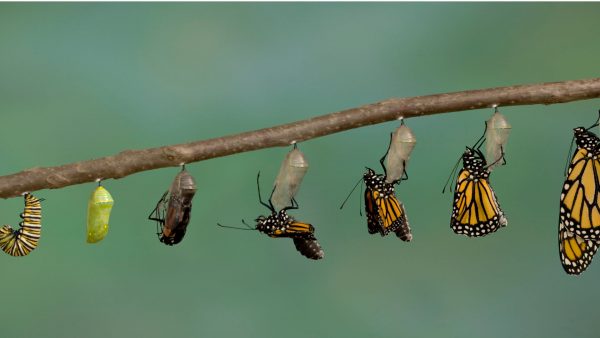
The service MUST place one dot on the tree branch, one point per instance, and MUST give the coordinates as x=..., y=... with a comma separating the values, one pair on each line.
x=132, y=161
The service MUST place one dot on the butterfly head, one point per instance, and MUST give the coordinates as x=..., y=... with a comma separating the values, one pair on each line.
x=372, y=179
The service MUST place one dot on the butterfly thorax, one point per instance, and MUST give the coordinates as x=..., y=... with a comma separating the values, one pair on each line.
x=475, y=164
x=274, y=223
x=587, y=140
x=377, y=182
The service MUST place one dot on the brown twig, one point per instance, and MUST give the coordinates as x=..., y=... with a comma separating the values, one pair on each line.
x=132, y=161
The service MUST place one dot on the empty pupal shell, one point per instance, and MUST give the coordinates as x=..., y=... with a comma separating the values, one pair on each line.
x=292, y=171
x=99, y=207
x=401, y=145
x=496, y=137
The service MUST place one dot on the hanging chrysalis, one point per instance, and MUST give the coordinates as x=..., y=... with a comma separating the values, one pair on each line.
x=402, y=143
x=292, y=171
x=173, y=211
x=99, y=206
x=496, y=135
x=22, y=241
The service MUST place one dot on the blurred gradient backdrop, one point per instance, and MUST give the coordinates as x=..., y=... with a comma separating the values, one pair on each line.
x=81, y=81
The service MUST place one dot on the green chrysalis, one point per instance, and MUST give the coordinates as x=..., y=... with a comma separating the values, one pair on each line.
x=99, y=207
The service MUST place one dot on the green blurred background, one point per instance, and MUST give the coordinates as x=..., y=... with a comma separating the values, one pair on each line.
x=81, y=81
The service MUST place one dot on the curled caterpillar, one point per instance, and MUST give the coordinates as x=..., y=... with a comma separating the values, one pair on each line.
x=22, y=241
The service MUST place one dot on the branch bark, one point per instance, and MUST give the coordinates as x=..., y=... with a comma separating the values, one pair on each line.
x=132, y=161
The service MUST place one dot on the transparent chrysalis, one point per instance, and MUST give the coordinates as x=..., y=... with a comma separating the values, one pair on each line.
x=402, y=143
x=173, y=211
x=496, y=137
x=99, y=207
x=292, y=171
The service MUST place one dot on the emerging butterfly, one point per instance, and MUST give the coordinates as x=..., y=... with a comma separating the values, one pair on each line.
x=281, y=225
x=385, y=213
x=475, y=210
x=173, y=211
x=579, y=219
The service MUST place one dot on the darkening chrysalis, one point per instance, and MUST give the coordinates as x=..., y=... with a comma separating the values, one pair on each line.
x=173, y=211
x=402, y=143
x=496, y=137
x=99, y=207
x=292, y=171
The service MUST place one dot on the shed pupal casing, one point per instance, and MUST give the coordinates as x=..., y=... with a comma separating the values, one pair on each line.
x=179, y=208
x=401, y=146
x=99, y=207
x=496, y=137
x=292, y=171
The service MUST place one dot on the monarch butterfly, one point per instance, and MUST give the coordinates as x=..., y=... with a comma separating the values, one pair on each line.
x=580, y=197
x=579, y=218
x=99, y=206
x=292, y=171
x=173, y=211
x=24, y=240
x=475, y=211
x=278, y=224
x=385, y=213
x=496, y=137
x=402, y=143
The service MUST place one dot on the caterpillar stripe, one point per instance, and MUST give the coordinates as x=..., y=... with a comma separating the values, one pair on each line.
x=24, y=240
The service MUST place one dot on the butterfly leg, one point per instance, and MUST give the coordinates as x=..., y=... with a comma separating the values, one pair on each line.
x=382, y=159
x=270, y=205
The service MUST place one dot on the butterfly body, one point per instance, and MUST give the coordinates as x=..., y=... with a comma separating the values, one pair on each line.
x=281, y=225
x=476, y=211
x=385, y=213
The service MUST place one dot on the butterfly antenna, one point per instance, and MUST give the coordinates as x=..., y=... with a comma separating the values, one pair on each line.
x=359, y=204
x=248, y=227
x=451, y=175
x=569, y=156
x=351, y=191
